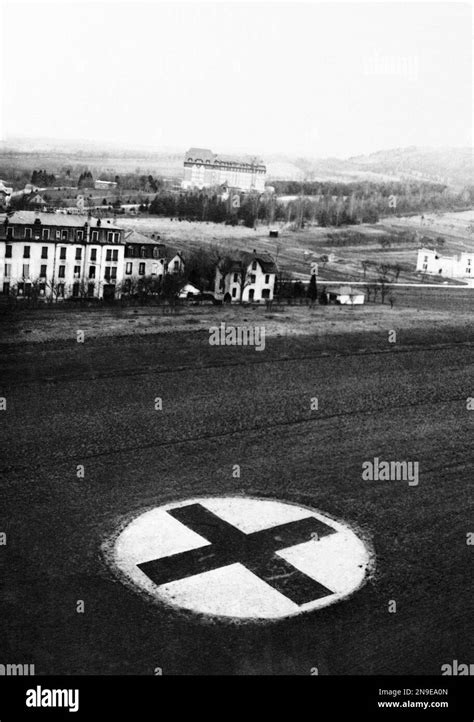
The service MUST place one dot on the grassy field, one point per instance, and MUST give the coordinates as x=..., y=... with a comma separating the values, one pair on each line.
x=414, y=308
x=92, y=404
x=294, y=250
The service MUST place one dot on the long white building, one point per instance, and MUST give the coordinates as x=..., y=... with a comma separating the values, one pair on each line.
x=203, y=168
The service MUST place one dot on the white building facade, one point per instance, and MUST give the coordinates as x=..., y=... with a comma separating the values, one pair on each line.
x=431, y=262
x=247, y=278
x=203, y=168
x=57, y=255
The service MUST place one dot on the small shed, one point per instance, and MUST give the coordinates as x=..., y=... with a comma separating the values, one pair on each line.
x=347, y=296
x=273, y=233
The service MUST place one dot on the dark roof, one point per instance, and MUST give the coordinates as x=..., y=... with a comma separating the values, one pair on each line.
x=245, y=258
x=207, y=156
x=27, y=218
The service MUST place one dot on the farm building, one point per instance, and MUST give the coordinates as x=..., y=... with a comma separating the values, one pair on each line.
x=346, y=296
x=431, y=262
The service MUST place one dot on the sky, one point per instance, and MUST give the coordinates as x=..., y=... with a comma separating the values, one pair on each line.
x=315, y=79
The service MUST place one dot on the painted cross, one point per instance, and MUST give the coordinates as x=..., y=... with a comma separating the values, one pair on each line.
x=255, y=551
x=239, y=557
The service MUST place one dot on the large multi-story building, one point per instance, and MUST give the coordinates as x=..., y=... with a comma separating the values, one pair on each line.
x=203, y=168
x=59, y=255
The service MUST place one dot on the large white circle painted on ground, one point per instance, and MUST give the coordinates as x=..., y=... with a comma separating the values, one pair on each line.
x=240, y=557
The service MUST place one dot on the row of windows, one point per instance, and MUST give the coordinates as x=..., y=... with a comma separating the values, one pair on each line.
x=24, y=289
x=142, y=252
x=63, y=234
x=252, y=277
x=110, y=271
x=265, y=294
x=111, y=254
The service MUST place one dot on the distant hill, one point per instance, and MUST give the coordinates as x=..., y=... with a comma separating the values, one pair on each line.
x=451, y=166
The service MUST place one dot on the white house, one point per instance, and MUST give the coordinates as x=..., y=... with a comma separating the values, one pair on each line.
x=431, y=262
x=246, y=277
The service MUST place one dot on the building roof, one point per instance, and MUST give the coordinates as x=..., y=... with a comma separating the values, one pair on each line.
x=245, y=258
x=207, y=156
x=136, y=237
x=28, y=218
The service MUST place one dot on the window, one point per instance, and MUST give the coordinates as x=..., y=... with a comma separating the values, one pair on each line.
x=251, y=294
x=155, y=253
x=10, y=232
x=267, y=278
x=43, y=271
x=64, y=234
x=8, y=251
x=94, y=254
x=108, y=255
x=107, y=273
x=468, y=270
x=75, y=290
x=60, y=288
x=58, y=234
x=28, y=232
x=234, y=292
x=252, y=278
x=26, y=251
x=42, y=289
x=62, y=272
x=21, y=288
x=176, y=265
x=45, y=234
x=110, y=237
x=62, y=253
x=425, y=266
x=128, y=268
x=114, y=273
x=79, y=235
x=26, y=270
x=78, y=254
x=8, y=270
x=110, y=273
x=27, y=289
x=236, y=277
x=115, y=254
x=143, y=252
x=90, y=289
x=77, y=271
x=141, y=269
x=254, y=265
x=6, y=287
x=91, y=271
x=468, y=261
x=44, y=252
x=95, y=235
x=266, y=293
x=425, y=259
